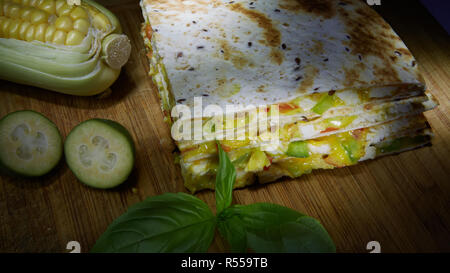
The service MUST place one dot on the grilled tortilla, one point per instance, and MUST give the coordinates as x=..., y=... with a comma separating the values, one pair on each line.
x=265, y=52
x=330, y=67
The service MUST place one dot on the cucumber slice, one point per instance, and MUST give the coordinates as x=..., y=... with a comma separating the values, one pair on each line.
x=100, y=153
x=30, y=144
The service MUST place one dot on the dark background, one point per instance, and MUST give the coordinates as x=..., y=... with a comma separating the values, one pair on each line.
x=440, y=10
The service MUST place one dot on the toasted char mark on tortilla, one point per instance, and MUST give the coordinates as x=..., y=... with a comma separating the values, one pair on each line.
x=309, y=76
x=225, y=89
x=352, y=74
x=368, y=36
x=323, y=8
x=185, y=67
x=384, y=72
x=261, y=89
x=271, y=34
x=317, y=47
x=233, y=55
x=404, y=52
x=181, y=5
x=276, y=56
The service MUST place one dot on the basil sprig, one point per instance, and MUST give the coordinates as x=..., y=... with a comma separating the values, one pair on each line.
x=264, y=227
x=172, y=222
x=226, y=175
x=183, y=223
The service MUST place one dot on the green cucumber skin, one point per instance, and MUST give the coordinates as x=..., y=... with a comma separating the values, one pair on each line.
x=4, y=169
x=114, y=126
x=7, y=171
x=14, y=174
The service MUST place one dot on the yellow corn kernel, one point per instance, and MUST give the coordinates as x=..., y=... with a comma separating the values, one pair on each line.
x=29, y=36
x=49, y=33
x=5, y=27
x=74, y=37
x=78, y=13
x=64, y=23
x=1, y=9
x=82, y=25
x=51, y=19
x=17, y=1
x=64, y=10
x=25, y=2
x=13, y=11
x=48, y=6
x=2, y=20
x=5, y=7
x=39, y=32
x=13, y=30
x=101, y=22
x=23, y=29
x=38, y=16
x=35, y=3
x=59, y=37
x=25, y=14
x=59, y=4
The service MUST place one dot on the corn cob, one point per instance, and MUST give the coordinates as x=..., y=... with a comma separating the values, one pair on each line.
x=77, y=50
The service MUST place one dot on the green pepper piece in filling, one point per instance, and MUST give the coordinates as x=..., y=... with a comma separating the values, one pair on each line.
x=401, y=143
x=298, y=149
x=351, y=147
x=325, y=103
x=242, y=160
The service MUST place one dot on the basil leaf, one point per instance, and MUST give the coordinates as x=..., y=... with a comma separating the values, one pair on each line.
x=232, y=228
x=264, y=227
x=165, y=223
x=226, y=175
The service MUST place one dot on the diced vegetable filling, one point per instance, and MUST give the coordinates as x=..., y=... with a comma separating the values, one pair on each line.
x=326, y=102
x=402, y=143
x=311, y=124
x=351, y=147
x=159, y=75
x=298, y=149
x=328, y=152
x=338, y=150
x=257, y=162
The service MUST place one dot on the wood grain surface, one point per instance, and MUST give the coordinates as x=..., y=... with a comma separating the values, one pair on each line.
x=401, y=201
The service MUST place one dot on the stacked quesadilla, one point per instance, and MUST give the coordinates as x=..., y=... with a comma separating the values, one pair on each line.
x=335, y=79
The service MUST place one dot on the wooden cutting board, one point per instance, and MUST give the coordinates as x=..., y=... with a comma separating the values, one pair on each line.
x=401, y=201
